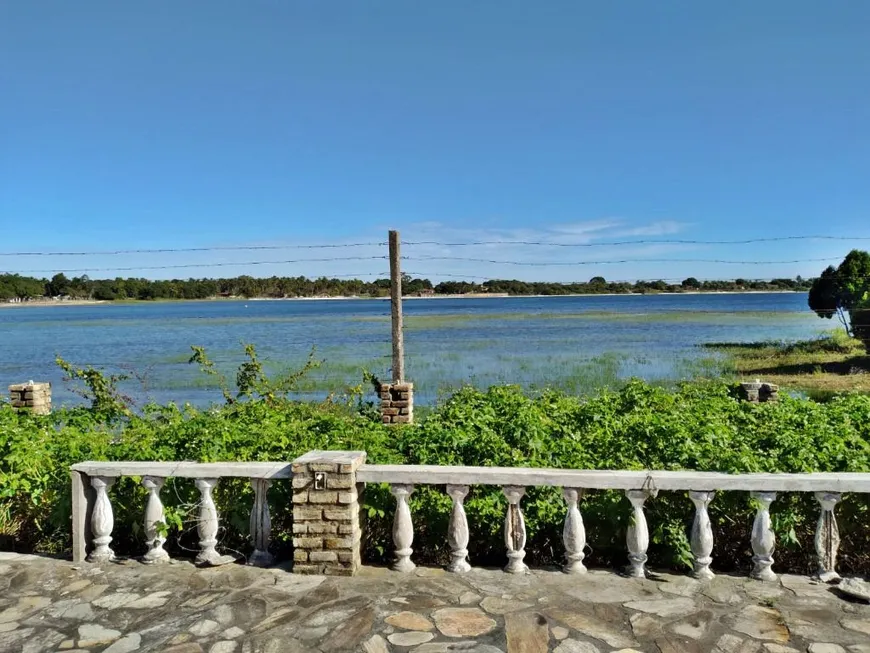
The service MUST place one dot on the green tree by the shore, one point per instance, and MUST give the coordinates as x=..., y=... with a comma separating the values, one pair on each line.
x=844, y=291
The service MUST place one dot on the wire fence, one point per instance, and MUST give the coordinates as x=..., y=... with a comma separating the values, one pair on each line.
x=473, y=243
x=414, y=257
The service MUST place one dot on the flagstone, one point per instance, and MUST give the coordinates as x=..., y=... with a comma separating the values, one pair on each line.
x=462, y=622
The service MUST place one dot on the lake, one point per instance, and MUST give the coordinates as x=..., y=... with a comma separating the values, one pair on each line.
x=574, y=343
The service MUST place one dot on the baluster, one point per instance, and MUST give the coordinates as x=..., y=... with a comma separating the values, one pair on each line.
x=763, y=539
x=457, y=530
x=403, y=528
x=702, y=535
x=261, y=524
x=207, y=527
x=515, y=530
x=102, y=520
x=573, y=533
x=154, y=515
x=827, y=536
x=637, y=535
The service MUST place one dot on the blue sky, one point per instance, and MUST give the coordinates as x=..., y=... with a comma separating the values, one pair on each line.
x=213, y=123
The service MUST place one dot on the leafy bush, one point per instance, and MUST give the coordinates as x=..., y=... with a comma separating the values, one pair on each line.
x=698, y=427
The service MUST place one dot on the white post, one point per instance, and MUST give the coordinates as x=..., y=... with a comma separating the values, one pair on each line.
x=261, y=524
x=827, y=536
x=403, y=528
x=515, y=530
x=573, y=533
x=702, y=535
x=457, y=530
x=153, y=516
x=102, y=520
x=763, y=539
x=637, y=535
x=207, y=527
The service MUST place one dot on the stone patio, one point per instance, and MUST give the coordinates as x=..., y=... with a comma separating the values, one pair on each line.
x=55, y=605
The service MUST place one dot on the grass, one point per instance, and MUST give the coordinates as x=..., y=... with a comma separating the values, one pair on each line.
x=829, y=364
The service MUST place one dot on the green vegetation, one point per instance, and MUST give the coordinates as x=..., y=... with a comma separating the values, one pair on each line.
x=845, y=291
x=14, y=286
x=598, y=285
x=699, y=426
x=829, y=364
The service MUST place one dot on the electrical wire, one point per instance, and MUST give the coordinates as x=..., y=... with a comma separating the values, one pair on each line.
x=611, y=262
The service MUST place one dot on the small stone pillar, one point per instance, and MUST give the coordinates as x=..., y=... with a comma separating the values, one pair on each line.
x=33, y=396
x=326, y=513
x=759, y=392
x=397, y=403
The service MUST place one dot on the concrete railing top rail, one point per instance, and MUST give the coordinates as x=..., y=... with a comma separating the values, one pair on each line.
x=185, y=469
x=460, y=475
x=614, y=479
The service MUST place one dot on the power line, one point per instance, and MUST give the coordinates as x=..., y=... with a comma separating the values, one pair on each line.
x=214, y=265
x=613, y=243
x=445, y=274
x=607, y=281
x=612, y=262
x=530, y=243
x=167, y=250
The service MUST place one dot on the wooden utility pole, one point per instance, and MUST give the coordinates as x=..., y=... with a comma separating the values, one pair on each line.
x=397, y=398
x=396, y=309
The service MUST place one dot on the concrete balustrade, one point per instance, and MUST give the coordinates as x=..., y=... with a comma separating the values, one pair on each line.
x=93, y=518
x=328, y=486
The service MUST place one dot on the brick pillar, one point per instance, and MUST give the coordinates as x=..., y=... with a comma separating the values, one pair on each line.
x=397, y=403
x=34, y=396
x=759, y=392
x=326, y=513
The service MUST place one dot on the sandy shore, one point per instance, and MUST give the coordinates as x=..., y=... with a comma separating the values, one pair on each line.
x=123, y=302
x=41, y=304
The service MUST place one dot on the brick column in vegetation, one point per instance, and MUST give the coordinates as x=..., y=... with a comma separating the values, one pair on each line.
x=35, y=397
x=759, y=392
x=397, y=403
x=326, y=513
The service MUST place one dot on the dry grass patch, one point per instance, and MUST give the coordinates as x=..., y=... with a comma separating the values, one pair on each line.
x=832, y=363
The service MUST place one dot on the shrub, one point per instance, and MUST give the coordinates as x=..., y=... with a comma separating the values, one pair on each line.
x=698, y=427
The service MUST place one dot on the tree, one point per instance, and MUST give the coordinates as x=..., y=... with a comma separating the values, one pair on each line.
x=691, y=282
x=59, y=285
x=845, y=291
x=80, y=287
x=14, y=286
x=597, y=281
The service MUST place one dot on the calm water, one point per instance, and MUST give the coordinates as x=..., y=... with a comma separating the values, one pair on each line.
x=576, y=343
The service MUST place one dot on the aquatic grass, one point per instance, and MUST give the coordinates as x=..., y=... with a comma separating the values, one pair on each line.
x=198, y=382
x=540, y=348
x=463, y=320
x=248, y=318
x=173, y=359
x=708, y=367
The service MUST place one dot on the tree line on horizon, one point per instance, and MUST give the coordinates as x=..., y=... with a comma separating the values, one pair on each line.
x=17, y=287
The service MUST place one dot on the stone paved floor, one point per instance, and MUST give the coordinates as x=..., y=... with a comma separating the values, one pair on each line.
x=52, y=605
